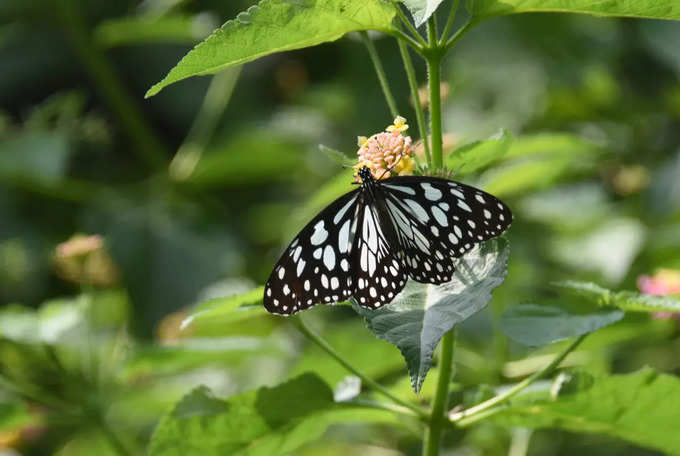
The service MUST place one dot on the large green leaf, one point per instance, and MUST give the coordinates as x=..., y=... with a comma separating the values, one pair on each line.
x=532, y=324
x=657, y=9
x=276, y=26
x=421, y=10
x=419, y=316
x=628, y=301
x=641, y=407
x=479, y=154
x=267, y=421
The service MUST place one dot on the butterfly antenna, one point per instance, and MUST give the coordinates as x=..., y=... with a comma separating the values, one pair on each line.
x=401, y=154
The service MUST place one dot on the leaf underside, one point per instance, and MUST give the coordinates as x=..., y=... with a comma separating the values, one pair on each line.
x=421, y=314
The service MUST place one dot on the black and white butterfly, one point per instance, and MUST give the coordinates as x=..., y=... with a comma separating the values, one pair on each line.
x=370, y=241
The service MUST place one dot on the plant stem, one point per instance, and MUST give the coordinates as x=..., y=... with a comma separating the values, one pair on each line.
x=380, y=71
x=449, y=23
x=409, y=26
x=382, y=406
x=465, y=417
x=417, y=107
x=433, y=57
x=401, y=36
x=318, y=340
x=437, y=417
x=149, y=147
x=458, y=35
x=434, y=81
x=214, y=103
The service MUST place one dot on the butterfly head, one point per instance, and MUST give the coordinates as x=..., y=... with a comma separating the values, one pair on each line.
x=365, y=174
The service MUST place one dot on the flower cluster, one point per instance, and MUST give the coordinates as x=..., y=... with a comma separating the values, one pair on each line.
x=388, y=153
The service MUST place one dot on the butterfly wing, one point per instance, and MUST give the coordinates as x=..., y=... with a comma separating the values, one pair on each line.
x=379, y=276
x=438, y=220
x=316, y=266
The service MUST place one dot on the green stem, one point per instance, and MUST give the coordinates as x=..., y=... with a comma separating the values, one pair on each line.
x=318, y=340
x=401, y=36
x=449, y=23
x=434, y=81
x=417, y=106
x=380, y=71
x=215, y=102
x=382, y=406
x=486, y=408
x=409, y=26
x=437, y=417
x=458, y=35
x=104, y=75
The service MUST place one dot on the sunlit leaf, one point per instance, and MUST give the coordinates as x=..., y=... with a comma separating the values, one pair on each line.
x=421, y=314
x=479, y=154
x=336, y=156
x=532, y=324
x=628, y=301
x=276, y=26
x=227, y=310
x=267, y=421
x=641, y=407
x=421, y=10
x=657, y=9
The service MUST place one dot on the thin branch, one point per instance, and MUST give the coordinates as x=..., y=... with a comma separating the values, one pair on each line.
x=380, y=71
x=382, y=406
x=318, y=340
x=418, y=108
x=449, y=23
x=458, y=35
x=401, y=36
x=487, y=407
x=409, y=26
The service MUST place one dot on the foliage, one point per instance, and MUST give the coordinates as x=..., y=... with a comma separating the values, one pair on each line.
x=136, y=233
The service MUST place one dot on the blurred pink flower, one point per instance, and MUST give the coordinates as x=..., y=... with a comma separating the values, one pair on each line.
x=663, y=282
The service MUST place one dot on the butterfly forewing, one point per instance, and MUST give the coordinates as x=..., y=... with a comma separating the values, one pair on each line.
x=316, y=266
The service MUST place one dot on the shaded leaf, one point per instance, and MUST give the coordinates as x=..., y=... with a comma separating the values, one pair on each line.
x=275, y=26
x=337, y=156
x=628, y=301
x=479, y=154
x=532, y=324
x=421, y=10
x=143, y=30
x=421, y=314
x=656, y=9
x=227, y=310
x=641, y=407
x=267, y=421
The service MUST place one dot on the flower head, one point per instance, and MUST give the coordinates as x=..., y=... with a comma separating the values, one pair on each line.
x=386, y=154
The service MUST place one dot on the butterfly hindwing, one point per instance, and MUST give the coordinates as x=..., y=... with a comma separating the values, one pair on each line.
x=316, y=266
x=377, y=269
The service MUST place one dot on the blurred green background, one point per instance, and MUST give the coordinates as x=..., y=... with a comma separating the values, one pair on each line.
x=181, y=198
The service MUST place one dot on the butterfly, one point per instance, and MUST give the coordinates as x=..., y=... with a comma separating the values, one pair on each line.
x=370, y=241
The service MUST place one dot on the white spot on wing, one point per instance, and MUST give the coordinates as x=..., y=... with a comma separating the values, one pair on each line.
x=329, y=257
x=320, y=234
x=401, y=188
x=431, y=193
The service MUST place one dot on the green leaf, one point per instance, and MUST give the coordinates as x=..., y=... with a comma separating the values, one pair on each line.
x=628, y=301
x=336, y=156
x=537, y=161
x=641, y=407
x=222, y=311
x=267, y=421
x=479, y=154
x=656, y=9
x=276, y=26
x=14, y=415
x=419, y=316
x=133, y=30
x=532, y=324
x=421, y=10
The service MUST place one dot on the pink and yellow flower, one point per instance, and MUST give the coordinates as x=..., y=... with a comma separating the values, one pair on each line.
x=388, y=153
